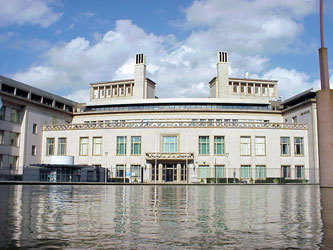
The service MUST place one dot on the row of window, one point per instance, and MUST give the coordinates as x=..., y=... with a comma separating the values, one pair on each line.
x=14, y=115
x=170, y=145
x=176, y=107
x=12, y=162
x=34, y=97
x=50, y=146
x=251, y=88
x=113, y=90
x=245, y=172
x=13, y=138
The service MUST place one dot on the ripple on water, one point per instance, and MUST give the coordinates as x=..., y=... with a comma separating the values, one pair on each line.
x=164, y=217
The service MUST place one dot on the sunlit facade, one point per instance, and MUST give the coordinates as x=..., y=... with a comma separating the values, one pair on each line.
x=240, y=133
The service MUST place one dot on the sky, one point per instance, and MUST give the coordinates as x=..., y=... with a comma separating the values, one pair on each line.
x=63, y=45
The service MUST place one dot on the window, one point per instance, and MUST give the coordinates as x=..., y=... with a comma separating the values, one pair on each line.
x=285, y=171
x=49, y=146
x=121, y=145
x=34, y=128
x=33, y=150
x=203, y=171
x=136, y=145
x=1, y=137
x=115, y=91
x=256, y=90
x=2, y=113
x=122, y=91
x=12, y=161
x=84, y=145
x=299, y=146
x=203, y=145
x=245, y=172
x=245, y=142
x=13, y=139
x=218, y=145
x=135, y=170
x=169, y=144
x=260, y=144
x=15, y=116
x=97, y=145
x=285, y=148
x=263, y=89
x=219, y=171
x=62, y=146
x=120, y=171
x=249, y=90
x=260, y=172
x=300, y=172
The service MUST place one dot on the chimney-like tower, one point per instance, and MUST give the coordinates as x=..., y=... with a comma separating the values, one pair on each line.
x=222, y=79
x=139, y=91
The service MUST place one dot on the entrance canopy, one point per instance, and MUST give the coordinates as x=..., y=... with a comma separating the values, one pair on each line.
x=169, y=156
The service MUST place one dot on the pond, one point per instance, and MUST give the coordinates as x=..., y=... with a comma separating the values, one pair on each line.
x=161, y=217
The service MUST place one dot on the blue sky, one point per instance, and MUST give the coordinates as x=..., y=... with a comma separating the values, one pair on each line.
x=63, y=45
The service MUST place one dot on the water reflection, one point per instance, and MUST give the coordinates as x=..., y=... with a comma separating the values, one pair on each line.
x=164, y=217
x=327, y=217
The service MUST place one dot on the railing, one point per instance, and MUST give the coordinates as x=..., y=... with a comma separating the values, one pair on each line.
x=174, y=124
x=224, y=174
x=169, y=156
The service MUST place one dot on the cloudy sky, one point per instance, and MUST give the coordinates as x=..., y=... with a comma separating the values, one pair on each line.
x=63, y=45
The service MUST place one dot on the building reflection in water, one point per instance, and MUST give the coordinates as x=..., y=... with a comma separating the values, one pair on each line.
x=85, y=216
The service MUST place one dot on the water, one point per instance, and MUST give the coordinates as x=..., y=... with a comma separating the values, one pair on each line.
x=160, y=217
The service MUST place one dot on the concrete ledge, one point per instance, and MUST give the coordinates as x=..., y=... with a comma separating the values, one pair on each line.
x=145, y=184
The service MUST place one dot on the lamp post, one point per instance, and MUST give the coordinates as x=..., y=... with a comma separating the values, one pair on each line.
x=106, y=166
x=234, y=175
x=215, y=168
x=227, y=155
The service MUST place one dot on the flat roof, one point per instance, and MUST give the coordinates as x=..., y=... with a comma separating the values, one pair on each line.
x=119, y=81
x=101, y=102
x=305, y=95
x=242, y=79
x=28, y=88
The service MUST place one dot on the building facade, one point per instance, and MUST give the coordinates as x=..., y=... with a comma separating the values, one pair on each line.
x=240, y=133
x=23, y=113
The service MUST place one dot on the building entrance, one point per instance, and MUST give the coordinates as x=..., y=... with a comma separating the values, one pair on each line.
x=169, y=172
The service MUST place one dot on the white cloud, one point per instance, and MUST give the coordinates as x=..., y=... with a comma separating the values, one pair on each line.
x=257, y=26
x=291, y=81
x=250, y=30
x=28, y=11
x=81, y=95
x=6, y=37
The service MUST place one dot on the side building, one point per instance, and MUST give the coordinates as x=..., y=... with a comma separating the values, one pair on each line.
x=241, y=133
x=23, y=113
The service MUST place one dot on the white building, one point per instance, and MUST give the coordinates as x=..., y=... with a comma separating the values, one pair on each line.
x=240, y=133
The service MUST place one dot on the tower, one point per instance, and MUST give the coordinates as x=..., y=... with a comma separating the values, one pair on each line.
x=140, y=77
x=222, y=75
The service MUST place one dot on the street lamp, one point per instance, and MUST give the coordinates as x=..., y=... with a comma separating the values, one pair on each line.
x=234, y=175
x=227, y=155
x=215, y=168
x=106, y=167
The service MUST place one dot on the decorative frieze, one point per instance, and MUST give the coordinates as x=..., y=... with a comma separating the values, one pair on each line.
x=174, y=124
x=169, y=156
